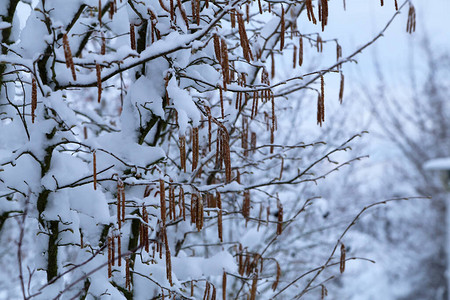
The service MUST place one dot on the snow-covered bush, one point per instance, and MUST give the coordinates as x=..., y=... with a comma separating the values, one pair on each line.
x=140, y=156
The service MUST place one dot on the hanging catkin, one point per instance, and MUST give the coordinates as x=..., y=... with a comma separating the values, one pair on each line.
x=109, y=257
x=277, y=278
x=168, y=257
x=294, y=57
x=119, y=202
x=162, y=200
x=283, y=29
x=300, y=51
x=68, y=56
x=195, y=150
x=217, y=48
x=182, y=203
x=33, y=98
x=225, y=64
x=119, y=250
x=411, y=23
x=183, y=153
x=280, y=218
x=341, y=89
x=219, y=216
x=324, y=12
x=99, y=82
x=132, y=37
x=244, y=39
x=342, y=259
x=94, y=166
x=310, y=12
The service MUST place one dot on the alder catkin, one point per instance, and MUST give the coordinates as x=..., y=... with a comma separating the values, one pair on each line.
x=33, y=98
x=411, y=23
x=294, y=57
x=119, y=202
x=225, y=64
x=99, y=82
x=224, y=286
x=254, y=285
x=132, y=37
x=68, y=56
x=280, y=218
x=277, y=278
x=283, y=29
x=216, y=41
x=183, y=152
x=162, y=198
x=94, y=166
x=195, y=150
x=310, y=11
x=341, y=89
x=219, y=216
x=119, y=250
x=342, y=259
x=300, y=51
x=109, y=257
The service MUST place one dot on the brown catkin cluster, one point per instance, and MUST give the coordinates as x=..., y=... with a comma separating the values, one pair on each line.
x=323, y=12
x=277, y=278
x=319, y=44
x=411, y=23
x=112, y=9
x=68, y=56
x=183, y=13
x=223, y=151
x=396, y=5
x=143, y=230
x=342, y=259
x=245, y=44
x=197, y=211
x=324, y=292
x=33, y=98
x=310, y=11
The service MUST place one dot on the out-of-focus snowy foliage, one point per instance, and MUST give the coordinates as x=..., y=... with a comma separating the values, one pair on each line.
x=151, y=149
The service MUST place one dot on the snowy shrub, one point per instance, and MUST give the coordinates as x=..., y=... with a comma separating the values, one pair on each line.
x=149, y=149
